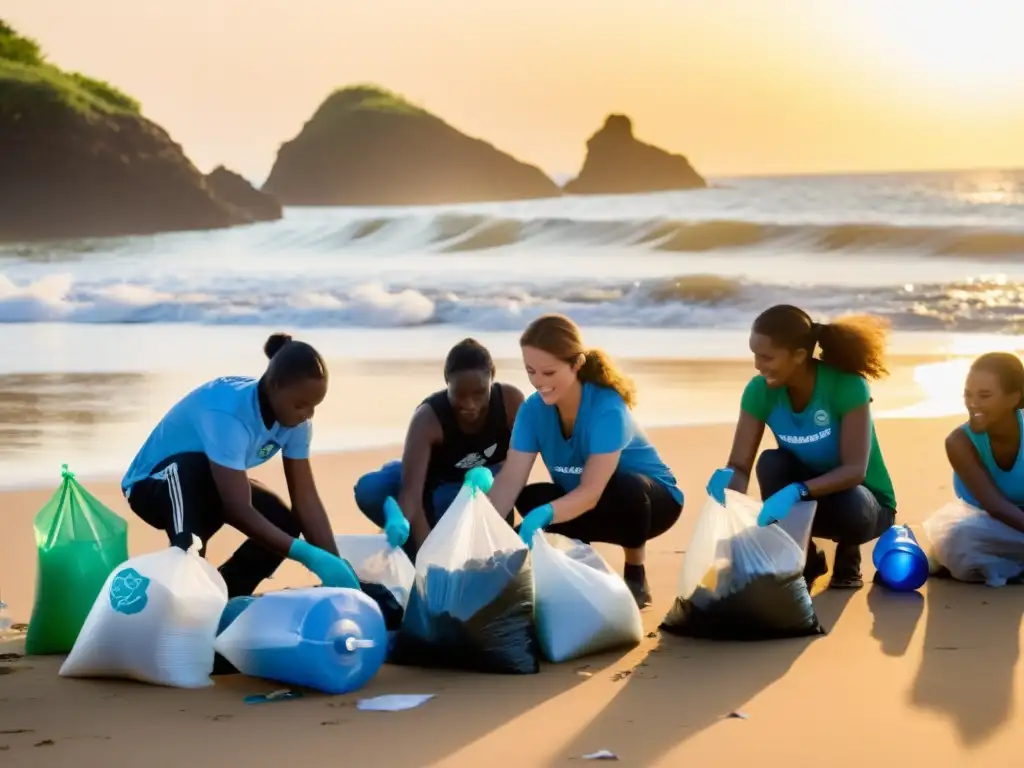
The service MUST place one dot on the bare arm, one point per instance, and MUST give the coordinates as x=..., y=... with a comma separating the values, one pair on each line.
x=584, y=497
x=236, y=496
x=423, y=434
x=745, y=442
x=964, y=459
x=511, y=480
x=307, y=506
x=854, y=451
x=513, y=399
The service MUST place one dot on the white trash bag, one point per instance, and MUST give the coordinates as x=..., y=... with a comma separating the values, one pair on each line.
x=581, y=605
x=472, y=600
x=154, y=621
x=973, y=545
x=741, y=581
x=377, y=562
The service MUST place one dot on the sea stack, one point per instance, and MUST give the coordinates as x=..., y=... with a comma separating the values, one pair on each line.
x=367, y=146
x=618, y=163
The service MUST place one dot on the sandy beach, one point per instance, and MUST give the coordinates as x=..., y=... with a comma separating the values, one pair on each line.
x=926, y=677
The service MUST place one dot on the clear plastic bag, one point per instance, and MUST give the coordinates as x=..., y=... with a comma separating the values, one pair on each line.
x=155, y=621
x=973, y=545
x=581, y=605
x=472, y=601
x=740, y=581
x=377, y=562
x=79, y=542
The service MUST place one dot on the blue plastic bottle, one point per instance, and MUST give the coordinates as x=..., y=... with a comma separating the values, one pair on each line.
x=330, y=639
x=899, y=559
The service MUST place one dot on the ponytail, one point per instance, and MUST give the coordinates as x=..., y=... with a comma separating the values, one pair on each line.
x=855, y=344
x=600, y=369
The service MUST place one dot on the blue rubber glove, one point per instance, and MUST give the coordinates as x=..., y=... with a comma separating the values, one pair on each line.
x=778, y=505
x=537, y=520
x=718, y=483
x=396, y=526
x=479, y=478
x=330, y=569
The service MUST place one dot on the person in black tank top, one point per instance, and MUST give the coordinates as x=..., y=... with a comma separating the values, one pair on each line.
x=468, y=424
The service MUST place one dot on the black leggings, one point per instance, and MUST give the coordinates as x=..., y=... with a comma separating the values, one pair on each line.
x=632, y=510
x=181, y=498
x=849, y=518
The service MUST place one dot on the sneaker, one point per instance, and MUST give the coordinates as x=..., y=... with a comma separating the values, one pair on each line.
x=641, y=592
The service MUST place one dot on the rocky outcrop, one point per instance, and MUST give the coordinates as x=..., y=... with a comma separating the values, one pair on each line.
x=79, y=159
x=235, y=190
x=366, y=146
x=618, y=163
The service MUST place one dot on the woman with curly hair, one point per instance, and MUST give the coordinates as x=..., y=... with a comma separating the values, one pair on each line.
x=819, y=410
x=609, y=484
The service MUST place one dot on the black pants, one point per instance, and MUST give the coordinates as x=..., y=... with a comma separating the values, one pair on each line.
x=849, y=518
x=181, y=498
x=632, y=510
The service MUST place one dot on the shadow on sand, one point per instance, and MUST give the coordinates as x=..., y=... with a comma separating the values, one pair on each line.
x=971, y=646
x=895, y=616
x=706, y=681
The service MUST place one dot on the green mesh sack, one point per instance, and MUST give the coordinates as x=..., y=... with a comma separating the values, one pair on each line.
x=79, y=541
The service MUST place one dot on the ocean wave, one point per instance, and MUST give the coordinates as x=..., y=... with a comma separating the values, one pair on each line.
x=462, y=232
x=692, y=301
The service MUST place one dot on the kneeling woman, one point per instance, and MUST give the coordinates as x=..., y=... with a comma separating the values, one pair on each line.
x=468, y=424
x=987, y=453
x=609, y=485
x=820, y=413
x=190, y=477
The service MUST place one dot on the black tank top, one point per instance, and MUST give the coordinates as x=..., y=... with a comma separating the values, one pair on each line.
x=459, y=452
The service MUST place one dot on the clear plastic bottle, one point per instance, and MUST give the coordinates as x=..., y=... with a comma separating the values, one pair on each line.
x=5, y=616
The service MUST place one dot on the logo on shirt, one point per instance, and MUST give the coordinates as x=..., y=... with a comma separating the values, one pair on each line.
x=268, y=450
x=821, y=418
x=805, y=439
x=568, y=470
x=474, y=459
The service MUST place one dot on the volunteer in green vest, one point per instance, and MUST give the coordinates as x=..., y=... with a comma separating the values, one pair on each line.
x=819, y=410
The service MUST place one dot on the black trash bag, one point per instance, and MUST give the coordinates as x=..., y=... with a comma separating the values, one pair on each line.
x=742, y=582
x=479, y=618
x=471, y=606
x=387, y=602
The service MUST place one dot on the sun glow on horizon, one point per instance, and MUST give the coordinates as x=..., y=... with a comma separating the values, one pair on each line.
x=970, y=49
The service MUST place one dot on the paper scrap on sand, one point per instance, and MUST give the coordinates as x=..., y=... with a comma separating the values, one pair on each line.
x=601, y=754
x=395, y=702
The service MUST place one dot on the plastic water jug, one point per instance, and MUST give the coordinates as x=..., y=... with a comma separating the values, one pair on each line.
x=327, y=638
x=899, y=559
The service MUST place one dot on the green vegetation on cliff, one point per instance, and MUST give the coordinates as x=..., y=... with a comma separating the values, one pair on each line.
x=29, y=84
x=81, y=160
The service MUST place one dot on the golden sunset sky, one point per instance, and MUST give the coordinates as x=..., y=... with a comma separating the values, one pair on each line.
x=739, y=86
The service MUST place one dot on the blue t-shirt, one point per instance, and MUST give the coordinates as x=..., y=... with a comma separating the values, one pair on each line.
x=1010, y=483
x=603, y=425
x=222, y=419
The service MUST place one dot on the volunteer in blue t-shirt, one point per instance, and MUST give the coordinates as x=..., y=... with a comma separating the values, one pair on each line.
x=609, y=484
x=190, y=477
x=819, y=410
x=987, y=453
